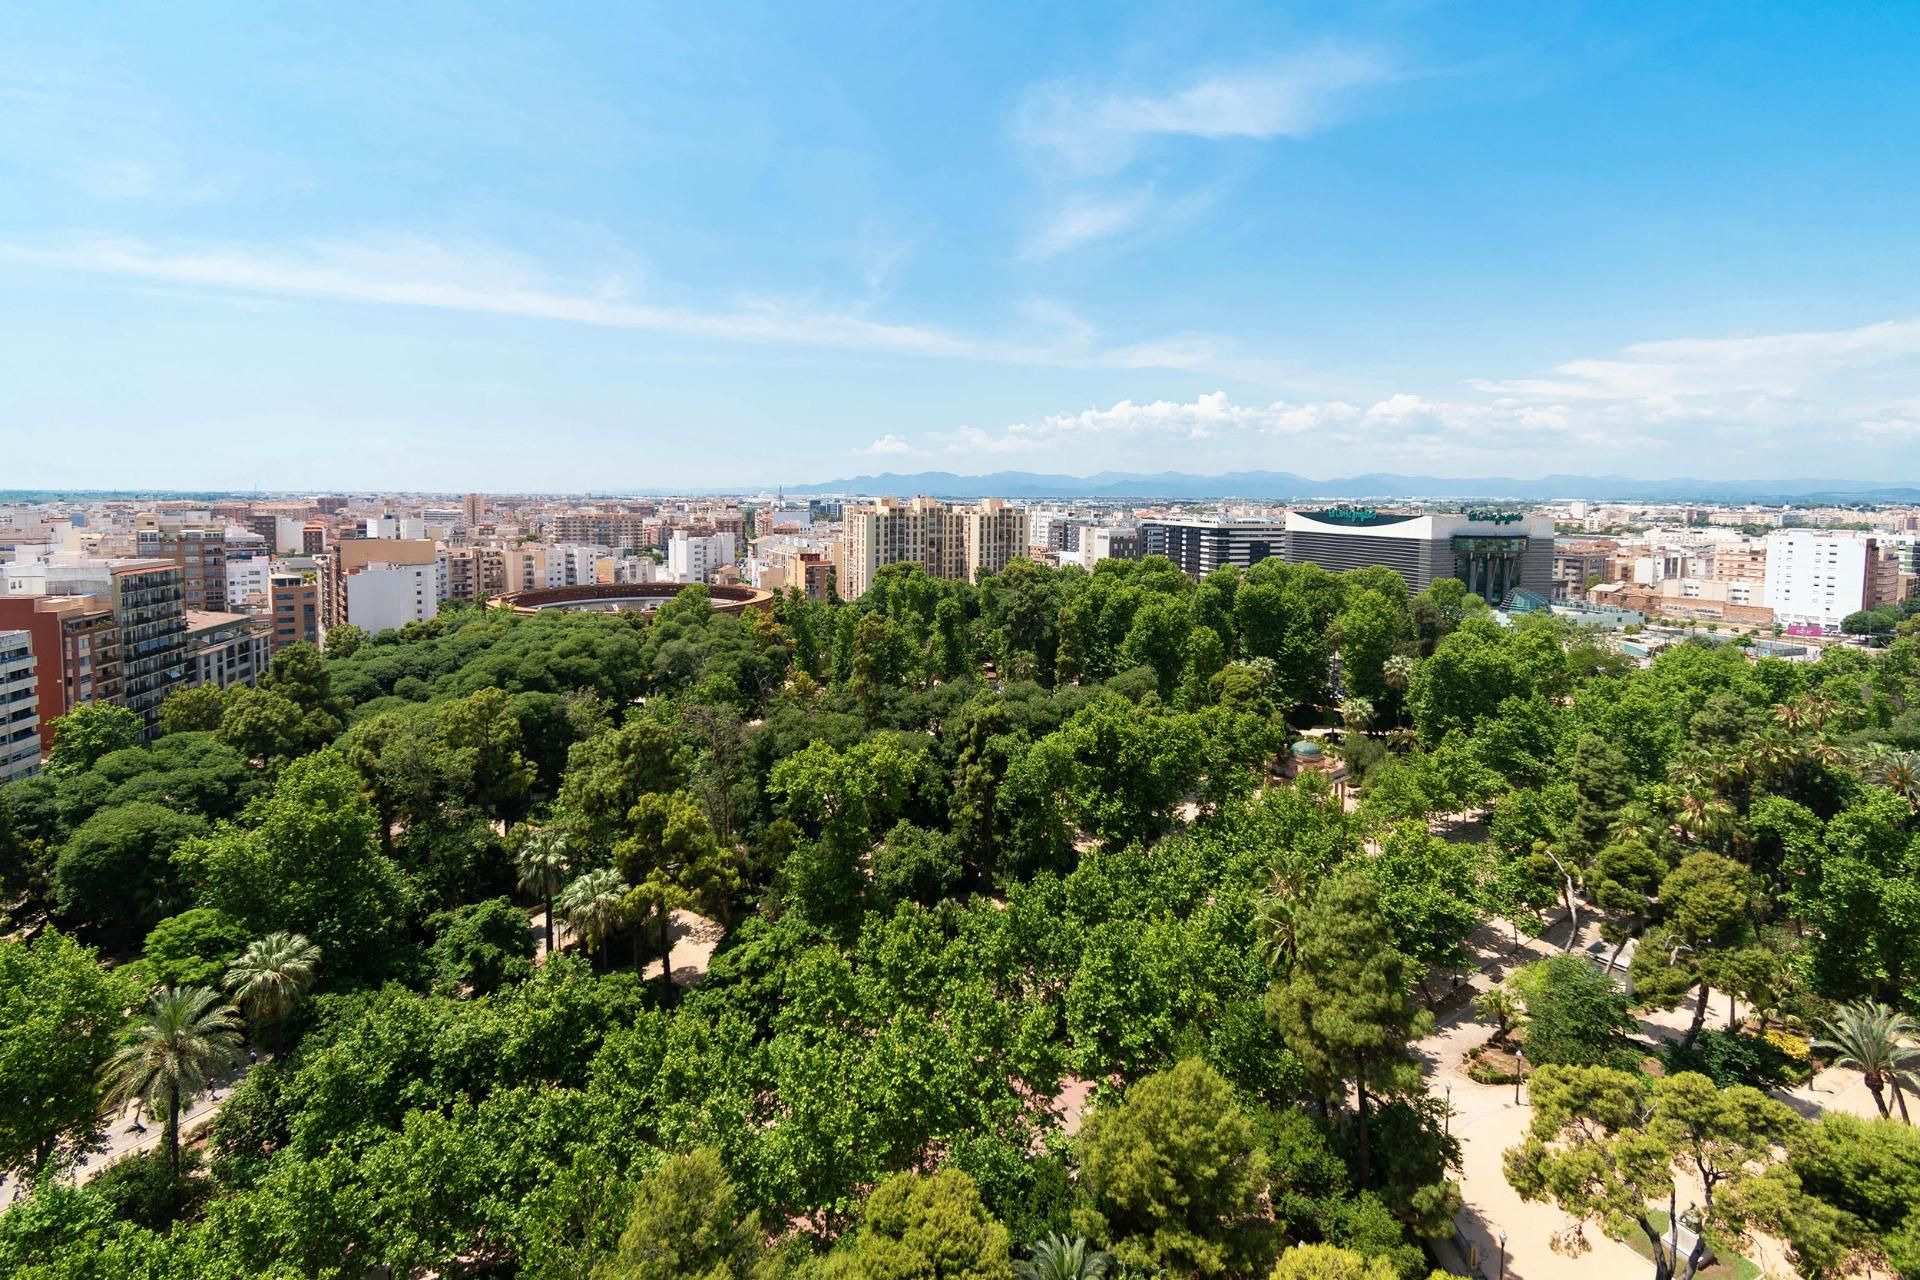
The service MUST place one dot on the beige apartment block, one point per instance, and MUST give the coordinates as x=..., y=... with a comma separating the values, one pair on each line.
x=947, y=541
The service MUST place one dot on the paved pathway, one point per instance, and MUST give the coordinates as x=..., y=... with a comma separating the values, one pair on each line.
x=127, y=1136
x=695, y=937
x=1486, y=1121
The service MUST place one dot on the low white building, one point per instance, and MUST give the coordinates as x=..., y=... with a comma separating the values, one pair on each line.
x=582, y=564
x=19, y=706
x=382, y=597
x=691, y=559
x=638, y=568
x=248, y=581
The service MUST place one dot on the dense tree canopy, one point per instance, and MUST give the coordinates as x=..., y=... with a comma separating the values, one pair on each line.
x=978, y=858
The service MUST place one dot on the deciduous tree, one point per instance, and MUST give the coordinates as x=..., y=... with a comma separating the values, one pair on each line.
x=1173, y=1173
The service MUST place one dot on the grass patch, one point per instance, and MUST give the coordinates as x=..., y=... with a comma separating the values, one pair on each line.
x=1730, y=1265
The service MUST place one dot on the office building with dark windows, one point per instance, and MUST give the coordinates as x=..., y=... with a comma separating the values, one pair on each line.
x=1201, y=546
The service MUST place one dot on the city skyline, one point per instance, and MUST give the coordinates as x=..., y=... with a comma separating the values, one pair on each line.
x=685, y=251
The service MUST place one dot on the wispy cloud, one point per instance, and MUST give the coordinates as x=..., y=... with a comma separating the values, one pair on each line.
x=1096, y=130
x=478, y=278
x=413, y=272
x=1781, y=364
x=1084, y=218
x=105, y=136
x=1082, y=136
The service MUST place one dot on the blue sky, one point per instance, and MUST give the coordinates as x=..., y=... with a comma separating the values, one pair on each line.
x=613, y=247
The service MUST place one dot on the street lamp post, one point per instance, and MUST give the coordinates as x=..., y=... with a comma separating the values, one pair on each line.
x=1449, y=1115
x=1518, y=1072
x=1503, y=1257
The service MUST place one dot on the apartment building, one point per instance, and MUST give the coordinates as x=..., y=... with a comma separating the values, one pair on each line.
x=76, y=644
x=530, y=566
x=1743, y=561
x=196, y=542
x=947, y=541
x=294, y=605
x=620, y=530
x=476, y=573
x=249, y=580
x=779, y=519
x=473, y=509
x=146, y=601
x=1577, y=561
x=1110, y=544
x=149, y=603
x=696, y=558
x=635, y=568
x=19, y=707
x=994, y=532
x=227, y=649
x=1055, y=530
x=783, y=562
x=409, y=567
x=1815, y=578
x=582, y=565
x=385, y=597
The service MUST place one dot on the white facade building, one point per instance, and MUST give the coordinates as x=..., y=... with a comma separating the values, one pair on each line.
x=19, y=707
x=247, y=583
x=382, y=597
x=1815, y=578
x=692, y=559
x=582, y=564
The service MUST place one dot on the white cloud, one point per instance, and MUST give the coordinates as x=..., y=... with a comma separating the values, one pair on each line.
x=886, y=444
x=1755, y=394
x=1084, y=218
x=477, y=278
x=1411, y=426
x=1776, y=365
x=1096, y=131
x=422, y=273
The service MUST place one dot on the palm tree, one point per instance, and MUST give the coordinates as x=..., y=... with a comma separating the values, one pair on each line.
x=1356, y=713
x=542, y=864
x=1501, y=1006
x=270, y=976
x=1397, y=671
x=1055, y=1257
x=1289, y=879
x=1899, y=772
x=1871, y=1038
x=1637, y=820
x=594, y=906
x=186, y=1041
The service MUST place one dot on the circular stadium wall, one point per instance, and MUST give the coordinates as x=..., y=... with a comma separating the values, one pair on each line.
x=631, y=597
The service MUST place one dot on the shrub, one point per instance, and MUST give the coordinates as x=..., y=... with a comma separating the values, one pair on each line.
x=1575, y=1015
x=1730, y=1059
x=1493, y=1067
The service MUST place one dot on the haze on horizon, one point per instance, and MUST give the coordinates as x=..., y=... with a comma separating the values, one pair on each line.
x=664, y=247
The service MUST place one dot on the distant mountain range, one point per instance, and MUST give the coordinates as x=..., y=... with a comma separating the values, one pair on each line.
x=1280, y=485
